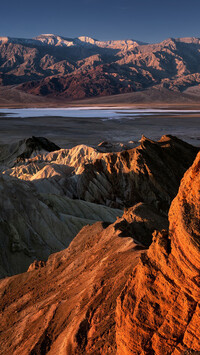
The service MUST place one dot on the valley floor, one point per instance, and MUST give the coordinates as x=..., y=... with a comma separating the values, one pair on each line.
x=71, y=131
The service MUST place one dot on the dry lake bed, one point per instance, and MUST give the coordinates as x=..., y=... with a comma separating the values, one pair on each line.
x=68, y=127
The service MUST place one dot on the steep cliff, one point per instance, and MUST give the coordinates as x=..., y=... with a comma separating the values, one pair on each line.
x=158, y=311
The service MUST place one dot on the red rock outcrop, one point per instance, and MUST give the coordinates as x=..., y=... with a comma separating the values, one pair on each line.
x=158, y=311
x=68, y=305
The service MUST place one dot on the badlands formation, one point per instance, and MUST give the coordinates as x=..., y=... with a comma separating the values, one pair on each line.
x=123, y=274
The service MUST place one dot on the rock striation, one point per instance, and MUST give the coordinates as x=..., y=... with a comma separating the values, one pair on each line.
x=149, y=173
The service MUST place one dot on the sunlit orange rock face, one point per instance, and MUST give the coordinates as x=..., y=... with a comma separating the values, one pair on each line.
x=158, y=311
x=68, y=305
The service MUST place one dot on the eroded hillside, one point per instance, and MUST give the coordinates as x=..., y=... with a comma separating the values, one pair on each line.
x=48, y=194
x=106, y=293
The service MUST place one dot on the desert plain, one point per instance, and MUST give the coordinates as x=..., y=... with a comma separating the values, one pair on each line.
x=70, y=131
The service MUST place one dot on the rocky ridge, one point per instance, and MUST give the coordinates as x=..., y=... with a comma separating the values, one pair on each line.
x=148, y=173
x=158, y=311
x=11, y=154
x=107, y=294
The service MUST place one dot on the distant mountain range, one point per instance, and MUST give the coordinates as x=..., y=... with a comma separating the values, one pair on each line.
x=76, y=68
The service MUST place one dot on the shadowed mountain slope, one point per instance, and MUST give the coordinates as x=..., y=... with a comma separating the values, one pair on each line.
x=33, y=226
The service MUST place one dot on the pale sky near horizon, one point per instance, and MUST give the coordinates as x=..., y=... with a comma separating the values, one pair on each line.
x=145, y=20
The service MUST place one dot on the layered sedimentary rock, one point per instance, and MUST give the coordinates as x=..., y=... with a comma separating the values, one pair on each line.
x=149, y=173
x=158, y=311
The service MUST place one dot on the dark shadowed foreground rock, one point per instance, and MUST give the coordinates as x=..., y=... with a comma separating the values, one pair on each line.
x=33, y=225
x=106, y=295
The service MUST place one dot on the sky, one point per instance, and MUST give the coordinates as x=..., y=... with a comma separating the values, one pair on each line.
x=145, y=20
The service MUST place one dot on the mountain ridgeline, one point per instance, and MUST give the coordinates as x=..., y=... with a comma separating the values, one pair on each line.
x=76, y=68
